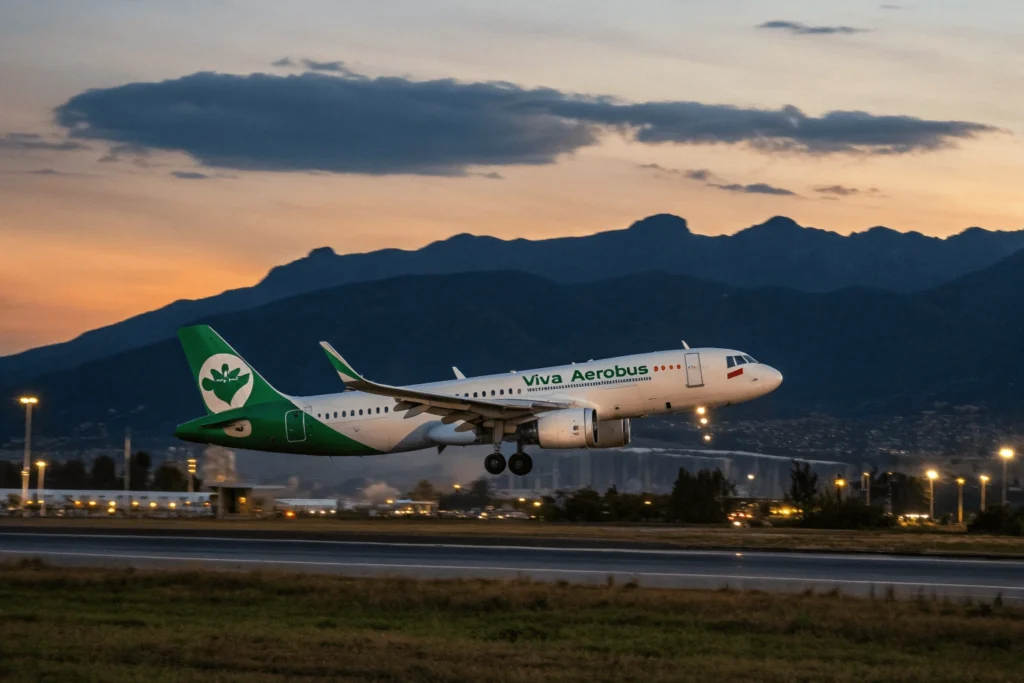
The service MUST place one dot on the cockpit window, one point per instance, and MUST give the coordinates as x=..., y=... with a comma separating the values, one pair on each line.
x=749, y=359
x=741, y=360
x=730, y=361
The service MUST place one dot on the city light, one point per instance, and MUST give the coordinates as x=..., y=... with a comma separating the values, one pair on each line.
x=984, y=478
x=29, y=400
x=960, y=480
x=536, y=503
x=707, y=437
x=390, y=501
x=457, y=486
x=647, y=502
x=40, y=463
x=1006, y=453
x=750, y=477
x=522, y=500
x=840, y=482
x=932, y=474
x=703, y=420
x=701, y=410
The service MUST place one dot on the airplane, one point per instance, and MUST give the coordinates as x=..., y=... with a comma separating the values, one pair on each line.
x=580, y=405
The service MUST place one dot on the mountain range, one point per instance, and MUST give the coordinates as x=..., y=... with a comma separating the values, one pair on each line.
x=777, y=253
x=853, y=351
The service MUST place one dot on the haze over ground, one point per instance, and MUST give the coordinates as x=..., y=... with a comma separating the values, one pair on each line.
x=152, y=152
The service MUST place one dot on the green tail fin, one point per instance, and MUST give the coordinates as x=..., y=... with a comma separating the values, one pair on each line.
x=224, y=379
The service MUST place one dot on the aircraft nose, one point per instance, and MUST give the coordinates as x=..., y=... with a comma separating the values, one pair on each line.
x=772, y=378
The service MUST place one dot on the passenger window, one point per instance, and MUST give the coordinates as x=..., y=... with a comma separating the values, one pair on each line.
x=519, y=391
x=492, y=392
x=335, y=414
x=360, y=411
x=378, y=410
x=502, y=392
x=474, y=394
x=344, y=413
x=730, y=361
x=385, y=409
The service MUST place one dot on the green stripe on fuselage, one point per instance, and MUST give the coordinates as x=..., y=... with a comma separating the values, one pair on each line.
x=268, y=430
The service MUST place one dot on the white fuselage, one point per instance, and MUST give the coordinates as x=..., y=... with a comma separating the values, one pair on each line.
x=624, y=387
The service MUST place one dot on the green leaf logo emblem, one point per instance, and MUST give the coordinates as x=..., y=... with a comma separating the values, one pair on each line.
x=225, y=383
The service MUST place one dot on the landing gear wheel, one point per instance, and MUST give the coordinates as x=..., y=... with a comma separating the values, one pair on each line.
x=520, y=464
x=495, y=463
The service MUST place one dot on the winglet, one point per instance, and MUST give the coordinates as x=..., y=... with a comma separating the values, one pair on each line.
x=458, y=373
x=344, y=370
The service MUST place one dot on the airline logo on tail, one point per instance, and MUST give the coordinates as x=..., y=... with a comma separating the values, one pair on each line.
x=225, y=382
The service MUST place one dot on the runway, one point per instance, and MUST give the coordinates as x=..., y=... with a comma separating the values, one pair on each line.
x=852, y=574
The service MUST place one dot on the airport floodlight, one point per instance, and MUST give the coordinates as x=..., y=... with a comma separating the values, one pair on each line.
x=29, y=400
x=522, y=500
x=389, y=501
x=1006, y=453
x=984, y=478
x=960, y=480
x=750, y=477
x=840, y=482
x=932, y=474
x=456, y=486
x=40, y=463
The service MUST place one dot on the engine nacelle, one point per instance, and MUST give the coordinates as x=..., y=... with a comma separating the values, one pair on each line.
x=569, y=428
x=612, y=434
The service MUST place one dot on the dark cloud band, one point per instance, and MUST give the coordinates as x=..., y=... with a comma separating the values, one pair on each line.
x=353, y=124
x=797, y=28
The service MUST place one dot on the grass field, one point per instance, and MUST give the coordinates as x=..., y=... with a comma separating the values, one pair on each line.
x=63, y=624
x=945, y=540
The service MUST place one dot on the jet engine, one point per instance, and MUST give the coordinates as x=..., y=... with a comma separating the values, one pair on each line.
x=612, y=434
x=569, y=428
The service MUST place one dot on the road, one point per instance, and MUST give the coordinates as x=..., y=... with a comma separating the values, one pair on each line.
x=852, y=574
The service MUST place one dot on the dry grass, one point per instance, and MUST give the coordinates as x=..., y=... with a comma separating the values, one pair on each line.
x=946, y=540
x=59, y=624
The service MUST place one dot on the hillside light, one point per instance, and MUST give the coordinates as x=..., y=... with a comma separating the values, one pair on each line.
x=457, y=486
x=647, y=502
x=750, y=477
x=701, y=410
x=984, y=485
x=703, y=420
x=1006, y=454
x=390, y=501
x=932, y=476
x=41, y=464
x=26, y=467
x=960, y=500
x=707, y=438
x=522, y=500
x=536, y=503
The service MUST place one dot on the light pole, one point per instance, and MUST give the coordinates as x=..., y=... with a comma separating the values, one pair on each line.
x=932, y=476
x=984, y=485
x=867, y=489
x=40, y=486
x=26, y=465
x=840, y=484
x=960, y=500
x=191, y=474
x=1006, y=454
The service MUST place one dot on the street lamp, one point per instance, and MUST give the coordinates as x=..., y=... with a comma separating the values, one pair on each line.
x=867, y=488
x=960, y=500
x=39, y=487
x=26, y=466
x=1006, y=454
x=191, y=462
x=932, y=476
x=984, y=485
x=840, y=485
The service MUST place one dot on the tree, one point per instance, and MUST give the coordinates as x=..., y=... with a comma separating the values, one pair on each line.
x=478, y=495
x=169, y=477
x=700, y=498
x=424, y=490
x=70, y=474
x=104, y=474
x=139, y=465
x=803, y=486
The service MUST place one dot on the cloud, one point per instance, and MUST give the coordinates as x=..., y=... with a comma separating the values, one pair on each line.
x=189, y=175
x=491, y=175
x=28, y=142
x=283, y=62
x=797, y=28
x=336, y=67
x=386, y=125
x=842, y=191
x=755, y=188
x=712, y=180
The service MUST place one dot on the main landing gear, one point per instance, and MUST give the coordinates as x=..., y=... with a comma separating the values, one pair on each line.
x=519, y=463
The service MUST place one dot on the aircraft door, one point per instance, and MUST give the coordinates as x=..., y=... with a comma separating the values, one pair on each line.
x=694, y=374
x=295, y=426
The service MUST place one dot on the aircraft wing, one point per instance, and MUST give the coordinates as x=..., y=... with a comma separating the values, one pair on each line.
x=450, y=408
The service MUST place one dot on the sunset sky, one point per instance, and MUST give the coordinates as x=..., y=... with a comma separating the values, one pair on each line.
x=152, y=151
